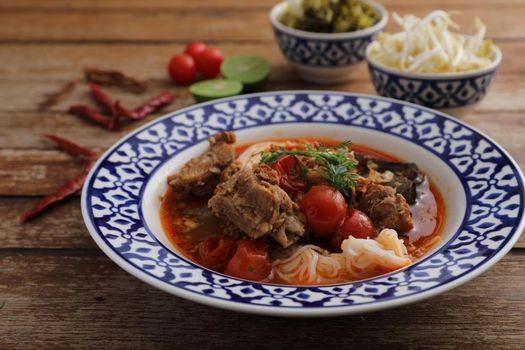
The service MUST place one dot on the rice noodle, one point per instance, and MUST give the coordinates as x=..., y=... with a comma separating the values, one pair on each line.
x=360, y=258
x=309, y=264
x=426, y=45
x=367, y=257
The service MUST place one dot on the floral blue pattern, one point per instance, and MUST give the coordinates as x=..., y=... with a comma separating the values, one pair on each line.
x=492, y=183
x=430, y=92
x=323, y=52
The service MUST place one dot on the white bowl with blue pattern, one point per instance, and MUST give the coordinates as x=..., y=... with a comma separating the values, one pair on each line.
x=482, y=187
x=452, y=93
x=325, y=58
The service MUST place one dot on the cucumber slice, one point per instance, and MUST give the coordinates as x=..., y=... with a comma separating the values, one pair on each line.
x=248, y=69
x=215, y=88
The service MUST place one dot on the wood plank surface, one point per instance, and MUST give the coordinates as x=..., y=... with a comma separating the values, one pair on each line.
x=61, y=227
x=24, y=95
x=209, y=23
x=206, y=4
x=59, y=62
x=30, y=165
x=81, y=300
x=59, y=291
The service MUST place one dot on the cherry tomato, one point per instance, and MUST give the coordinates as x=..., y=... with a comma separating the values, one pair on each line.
x=215, y=251
x=324, y=208
x=209, y=62
x=194, y=48
x=289, y=174
x=250, y=262
x=182, y=69
x=356, y=224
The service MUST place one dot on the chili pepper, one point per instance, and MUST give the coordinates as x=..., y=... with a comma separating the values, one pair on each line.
x=94, y=116
x=115, y=78
x=56, y=97
x=102, y=98
x=148, y=108
x=69, y=189
x=123, y=111
x=153, y=105
x=71, y=147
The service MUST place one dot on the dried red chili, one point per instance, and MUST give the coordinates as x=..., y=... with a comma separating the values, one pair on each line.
x=69, y=189
x=102, y=99
x=71, y=147
x=91, y=114
x=56, y=97
x=152, y=106
x=123, y=111
x=114, y=78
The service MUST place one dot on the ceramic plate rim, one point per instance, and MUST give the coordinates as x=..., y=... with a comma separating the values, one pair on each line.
x=287, y=311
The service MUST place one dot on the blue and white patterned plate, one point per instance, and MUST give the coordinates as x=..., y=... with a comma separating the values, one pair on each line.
x=481, y=185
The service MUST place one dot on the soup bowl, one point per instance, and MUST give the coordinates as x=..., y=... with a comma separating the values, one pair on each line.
x=453, y=93
x=324, y=58
x=481, y=186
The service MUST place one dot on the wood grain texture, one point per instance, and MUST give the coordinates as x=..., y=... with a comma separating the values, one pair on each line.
x=61, y=227
x=58, y=290
x=505, y=95
x=83, y=300
x=209, y=23
x=207, y=4
x=59, y=62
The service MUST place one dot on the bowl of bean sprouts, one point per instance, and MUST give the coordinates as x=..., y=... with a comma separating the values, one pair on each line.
x=431, y=64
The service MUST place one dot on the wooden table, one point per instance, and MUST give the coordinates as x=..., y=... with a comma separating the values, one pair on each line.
x=58, y=290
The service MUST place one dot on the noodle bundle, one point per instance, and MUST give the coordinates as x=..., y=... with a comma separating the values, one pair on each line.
x=360, y=258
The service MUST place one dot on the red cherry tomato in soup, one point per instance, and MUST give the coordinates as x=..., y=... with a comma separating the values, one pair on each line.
x=250, y=262
x=209, y=62
x=356, y=224
x=289, y=172
x=215, y=251
x=182, y=69
x=194, y=48
x=324, y=208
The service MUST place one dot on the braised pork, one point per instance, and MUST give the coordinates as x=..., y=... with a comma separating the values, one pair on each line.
x=386, y=208
x=252, y=200
x=201, y=175
x=405, y=176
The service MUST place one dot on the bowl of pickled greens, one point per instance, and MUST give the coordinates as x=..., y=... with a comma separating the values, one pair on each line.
x=326, y=39
x=433, y=62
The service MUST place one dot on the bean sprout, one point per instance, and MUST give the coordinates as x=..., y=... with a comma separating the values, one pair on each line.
x=426, y=45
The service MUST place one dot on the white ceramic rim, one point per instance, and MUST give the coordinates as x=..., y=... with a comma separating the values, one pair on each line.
x=289, y=312
x=496, y=61
x=276, y=11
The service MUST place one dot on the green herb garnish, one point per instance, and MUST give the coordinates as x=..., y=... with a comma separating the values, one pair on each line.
x=335, y=167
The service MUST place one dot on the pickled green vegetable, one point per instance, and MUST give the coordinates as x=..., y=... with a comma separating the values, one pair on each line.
x=329, y=16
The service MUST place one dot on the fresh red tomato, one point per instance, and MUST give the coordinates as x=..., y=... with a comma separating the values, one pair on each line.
x=209, y=62
x=356, y=224
x=250, y=262
x=289, y=174
x=215, y=251
x=324, y=208
x=194, y=48
x=182, y=69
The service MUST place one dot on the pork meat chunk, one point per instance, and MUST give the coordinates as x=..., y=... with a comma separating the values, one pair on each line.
x=251, y=200
x=386, y=208
x=201, y=175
